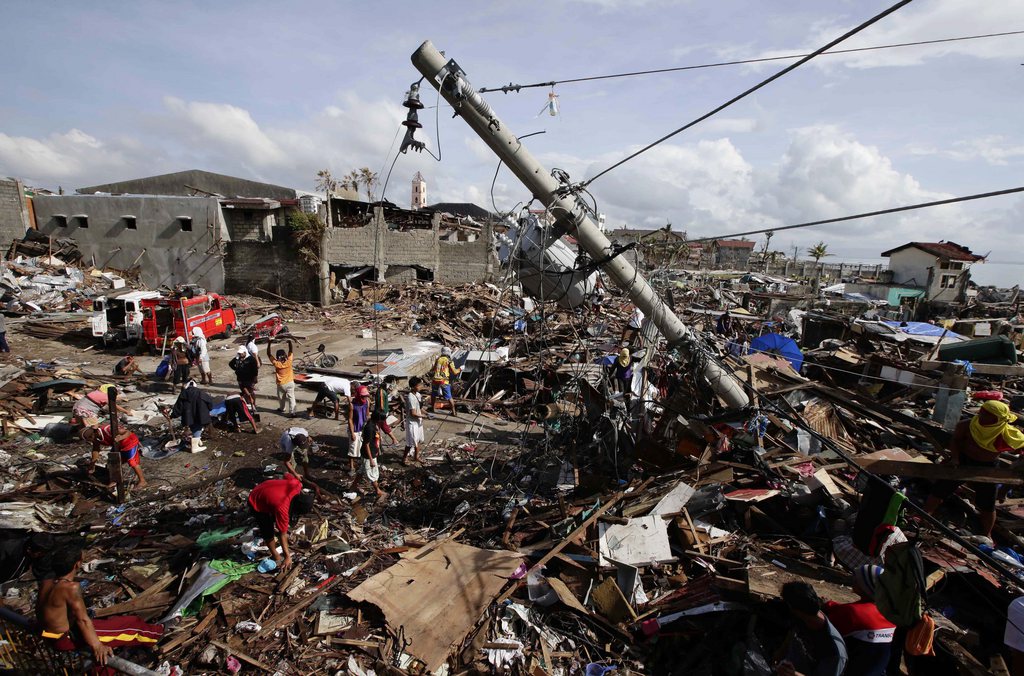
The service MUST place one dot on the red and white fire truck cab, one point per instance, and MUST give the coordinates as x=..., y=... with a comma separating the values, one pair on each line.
x=173, y=316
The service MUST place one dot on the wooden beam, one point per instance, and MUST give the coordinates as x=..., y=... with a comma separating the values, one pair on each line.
x=927, y=470
x=1015, y=371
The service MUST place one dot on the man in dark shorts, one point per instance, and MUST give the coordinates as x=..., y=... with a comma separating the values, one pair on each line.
x=236, y=412
x=978, y=442
x=247, y=370
x=276, y=503
x=382, y=406
x=331, y=390
x=126, y=366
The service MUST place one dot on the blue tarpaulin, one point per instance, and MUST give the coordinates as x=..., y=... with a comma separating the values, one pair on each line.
x=774, y=343
x=923, y=329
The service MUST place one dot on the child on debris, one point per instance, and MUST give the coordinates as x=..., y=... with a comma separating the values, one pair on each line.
x=444, y=369
x=978, y=443
x=282, y=363
x=296, y=443
x=126, y=366
x=127, y=445
x=413, y=421
x=329, y=390
x=813, y=647
x=236, y=410
x=246, y=371
x=868, y=635
x=194, y=405
x=201, y=351
x=382, y=407
x=276, y=504
x=94, y=405
x=181, y=361
x=62, y=615
x=370, y=451
x=358, y=415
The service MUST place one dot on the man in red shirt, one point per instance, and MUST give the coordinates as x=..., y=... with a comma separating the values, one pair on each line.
x=978, y=442
x=275, y=504
x=868, y=635
x=127, y=445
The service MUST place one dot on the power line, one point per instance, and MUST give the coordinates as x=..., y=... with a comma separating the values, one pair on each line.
x=868, y=214
x=516, y=87
x=776, y=76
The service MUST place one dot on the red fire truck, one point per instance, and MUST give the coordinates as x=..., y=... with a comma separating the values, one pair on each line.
x=173, y=316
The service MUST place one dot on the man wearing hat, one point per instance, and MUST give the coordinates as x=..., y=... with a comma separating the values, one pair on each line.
x=978, y=442
x=246, y=370
x=276, y=504
x=866, y=632
x=181, y=362
x=358, y=414
x=444, y=369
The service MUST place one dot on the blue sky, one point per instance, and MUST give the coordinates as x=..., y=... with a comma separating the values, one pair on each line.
x=103, y=91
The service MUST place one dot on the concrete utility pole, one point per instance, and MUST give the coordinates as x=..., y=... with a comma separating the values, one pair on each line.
x=446, y=76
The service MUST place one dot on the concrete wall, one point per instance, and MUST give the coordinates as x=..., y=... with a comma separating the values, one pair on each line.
x=274, y=266
x=165, y=253
x=914, y=264
x=450, y=262
x=252, y=225
x=14, y=214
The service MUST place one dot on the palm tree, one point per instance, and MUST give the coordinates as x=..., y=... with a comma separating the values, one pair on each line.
x=369, y=179
x=325, y=182
x=351, y=181
x=818, y=251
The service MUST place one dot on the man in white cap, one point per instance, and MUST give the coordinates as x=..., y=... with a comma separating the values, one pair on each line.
x=180, y=362
x=202, y=355
x=444, y=369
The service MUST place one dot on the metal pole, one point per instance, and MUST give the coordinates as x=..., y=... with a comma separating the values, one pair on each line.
x=114, y=456
x=446, y=76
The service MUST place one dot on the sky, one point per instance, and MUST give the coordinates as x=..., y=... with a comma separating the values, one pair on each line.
x=105, y=91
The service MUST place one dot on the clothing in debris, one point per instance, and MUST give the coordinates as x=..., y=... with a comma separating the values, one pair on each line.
x=91, y=405
x=867, y=634
x=991, y=432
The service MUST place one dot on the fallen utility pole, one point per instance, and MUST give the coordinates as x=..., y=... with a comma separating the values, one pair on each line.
x=449, y=79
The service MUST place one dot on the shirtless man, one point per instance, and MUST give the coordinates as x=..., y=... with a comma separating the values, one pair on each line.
x=62, y=615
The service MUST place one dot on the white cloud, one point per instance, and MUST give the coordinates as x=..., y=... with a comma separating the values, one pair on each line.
x=60, y=157
x=730, y=125
x=933, y=20
x=226, y=128
x=995, y=150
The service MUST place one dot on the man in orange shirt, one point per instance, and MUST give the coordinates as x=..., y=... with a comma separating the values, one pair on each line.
x=282, y=363
x=978, y=442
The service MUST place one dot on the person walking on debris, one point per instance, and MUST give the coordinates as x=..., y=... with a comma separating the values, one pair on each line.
x=246, y=372
x=631, y=334
x=442, y=373
x=328, y=391
x=358, y=415
x=236, y=410
x=868, y=635
x=276, y=504
x=620, y=374
x=978, y=442
x=382, y=407
x=126, y=366
x=282, y=363
x=814, y=647
x=94, y=405
x=370, y=451
x=65, y=621
x=180, y=361
x=413, y=421
x=127, y=445
x=723, y=326
x=201, y=352
x=194, y=405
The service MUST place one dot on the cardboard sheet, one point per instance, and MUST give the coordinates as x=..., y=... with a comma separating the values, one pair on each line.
x=439, y=598
x=638, y=542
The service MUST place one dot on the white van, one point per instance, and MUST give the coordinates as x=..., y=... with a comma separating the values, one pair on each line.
x=117, y=319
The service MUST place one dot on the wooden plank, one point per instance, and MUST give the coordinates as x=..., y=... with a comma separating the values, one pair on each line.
x=242, y=656
x=1015, y=371
x=924, y=470
x=137, y=605
x=285, y=616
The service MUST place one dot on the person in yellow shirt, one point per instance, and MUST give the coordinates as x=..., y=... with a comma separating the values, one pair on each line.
x=285, y=374
x=444, y=369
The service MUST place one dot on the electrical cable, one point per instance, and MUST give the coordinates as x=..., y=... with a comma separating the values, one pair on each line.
x=867, y=214
x=510, y=88
x=751, y=90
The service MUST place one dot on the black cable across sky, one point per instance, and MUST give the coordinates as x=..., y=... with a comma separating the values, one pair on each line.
x=748, y=92
x=516, y=87
x=867, y=214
